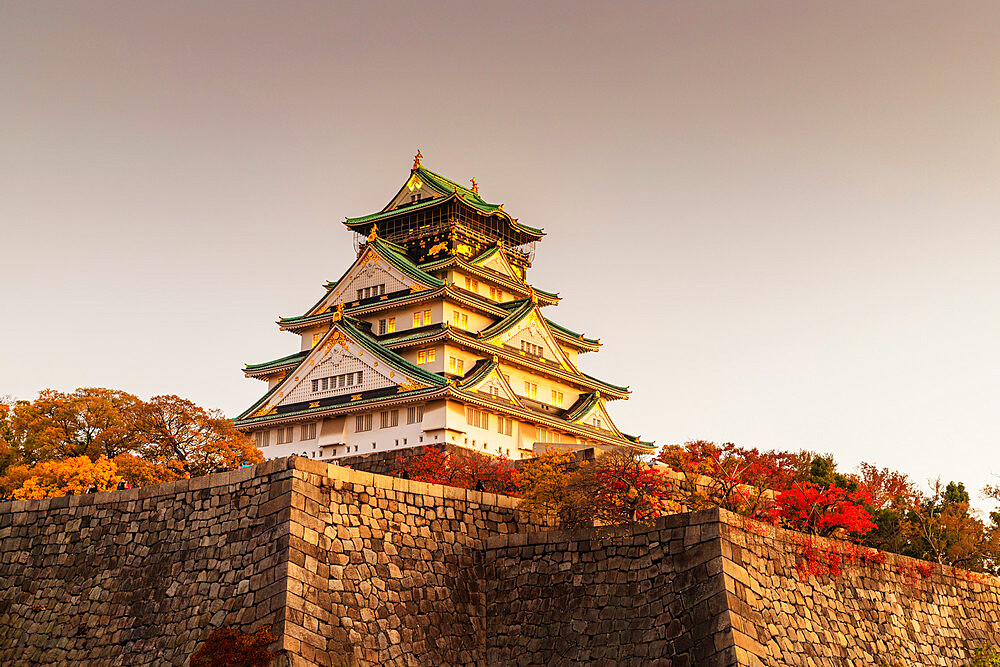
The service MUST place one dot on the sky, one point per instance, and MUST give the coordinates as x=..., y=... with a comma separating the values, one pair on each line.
x=780, y=218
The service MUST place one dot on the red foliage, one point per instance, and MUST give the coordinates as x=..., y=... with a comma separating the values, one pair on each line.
x=885, y=487
x=628, y=490
x=492, y=474
x=228, y=647
x=833, y=510
x=739, y=478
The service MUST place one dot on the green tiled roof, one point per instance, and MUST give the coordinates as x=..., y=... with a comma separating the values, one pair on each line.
x=412, y=335
x=606, y=384
x=506, y=323
x=388, y=356
x=476, y=374
x=634, y=438
x=582, y=406
x=396, y=256
x=571, y=333
x=298, y=356
x=448, y=188
x=347, y=324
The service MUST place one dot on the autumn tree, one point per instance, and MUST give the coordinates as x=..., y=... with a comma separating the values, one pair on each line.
x=229, y=647
x=150, y=441
x=470, y=470
x=738, y=479
x=68, y=477
x=176, y=430
x=629, y=491
x=947, y=532
x=557, y=482
x=830, y=511
x=140, y=472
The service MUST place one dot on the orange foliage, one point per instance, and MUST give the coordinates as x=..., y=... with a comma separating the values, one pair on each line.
x=68, y=477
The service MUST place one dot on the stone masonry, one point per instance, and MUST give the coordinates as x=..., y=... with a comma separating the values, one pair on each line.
x=360, y=569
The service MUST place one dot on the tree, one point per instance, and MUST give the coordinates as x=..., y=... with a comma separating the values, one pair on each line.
x=175, y=429
x=558, y=483
x=834, y=510
x=628, y=490
x=470, y=470
x=140, y=472
x=735, y=478
x=70, y=477
x=228, y=647
x=151, y=441
x=947, y=533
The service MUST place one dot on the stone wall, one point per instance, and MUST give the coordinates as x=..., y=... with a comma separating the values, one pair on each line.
x=871, y=613
x=389, y=571
x=354, y=568
x=655, y=597
x=139, y=577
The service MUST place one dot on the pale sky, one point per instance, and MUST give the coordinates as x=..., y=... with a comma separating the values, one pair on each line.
x=780, y=218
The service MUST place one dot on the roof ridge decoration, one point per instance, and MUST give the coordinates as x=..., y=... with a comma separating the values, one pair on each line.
x=347, y=335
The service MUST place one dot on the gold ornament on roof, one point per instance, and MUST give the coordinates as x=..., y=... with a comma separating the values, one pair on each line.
x=409, y=385
x=417, y=158
x=339, y=313
x=373, y=234
x=475, y=186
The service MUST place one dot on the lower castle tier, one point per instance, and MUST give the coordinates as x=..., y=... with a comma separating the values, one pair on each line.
x=432, y=336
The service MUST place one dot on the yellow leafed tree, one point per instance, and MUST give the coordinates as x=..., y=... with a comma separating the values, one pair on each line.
x=66, y=477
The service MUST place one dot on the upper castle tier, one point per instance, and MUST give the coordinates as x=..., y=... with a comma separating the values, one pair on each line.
x=433, y=336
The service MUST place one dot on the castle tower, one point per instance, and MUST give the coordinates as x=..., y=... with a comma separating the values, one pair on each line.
x=433, y=336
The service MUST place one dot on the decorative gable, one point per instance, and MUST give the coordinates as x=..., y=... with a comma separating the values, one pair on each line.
x=341, y=365
x=493, y=383
x=371, y=275
x=593, y=413
x=495, y=260
x=532, y=337
x=414, y=191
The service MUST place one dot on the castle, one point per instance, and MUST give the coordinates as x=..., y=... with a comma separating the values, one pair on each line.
x=433, y=337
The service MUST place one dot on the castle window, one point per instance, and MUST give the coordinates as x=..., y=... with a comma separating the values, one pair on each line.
x=477, y=418
x=421, y=318
x=285, y=435
x=456, y=366
x=387, y=326
x=530, y=390
x=496, y=294
x=471, y=285
x=308, y=431
x=388, y=418
x=505, y=426
x=262, y=438
x=369, y=292
x=362, y=423
x=414, y=414
x=495, y=391
x=425, y=356
x=531, y=348
x=557, y=398
x=460, y=319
